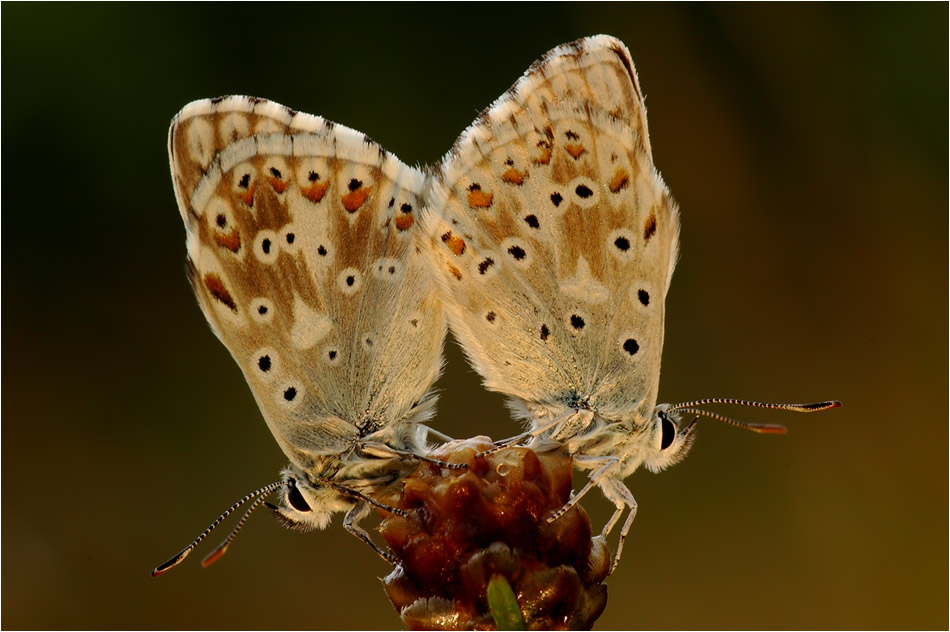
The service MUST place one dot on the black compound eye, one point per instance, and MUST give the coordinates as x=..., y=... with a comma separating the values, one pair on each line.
x=296, y=500
x=669, y=433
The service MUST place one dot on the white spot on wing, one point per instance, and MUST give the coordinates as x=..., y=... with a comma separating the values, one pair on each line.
x=200, y=141
x=262, y=310
x=265, y=363
x=310, y=326
x=233, y=127
x=583, y=286
x=266, y=246
x=349, y=281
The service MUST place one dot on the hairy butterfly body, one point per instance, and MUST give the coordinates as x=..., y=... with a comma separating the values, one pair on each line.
x=301, y=252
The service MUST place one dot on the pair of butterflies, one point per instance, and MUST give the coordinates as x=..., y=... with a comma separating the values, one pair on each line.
x=328, y=268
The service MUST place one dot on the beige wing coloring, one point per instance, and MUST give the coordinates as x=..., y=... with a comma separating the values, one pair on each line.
x=554, y=237
x=300, y=238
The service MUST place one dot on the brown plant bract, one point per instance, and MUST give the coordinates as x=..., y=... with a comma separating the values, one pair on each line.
x=465, y=525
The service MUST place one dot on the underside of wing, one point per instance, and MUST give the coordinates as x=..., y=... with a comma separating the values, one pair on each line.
x=554, y=237
x=302, y=256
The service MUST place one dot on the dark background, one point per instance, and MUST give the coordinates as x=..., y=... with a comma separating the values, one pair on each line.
x=807, y=147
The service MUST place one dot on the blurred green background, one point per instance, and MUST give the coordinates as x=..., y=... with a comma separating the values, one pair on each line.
x=807, y=147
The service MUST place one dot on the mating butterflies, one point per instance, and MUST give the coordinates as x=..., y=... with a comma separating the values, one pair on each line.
x=323, y=264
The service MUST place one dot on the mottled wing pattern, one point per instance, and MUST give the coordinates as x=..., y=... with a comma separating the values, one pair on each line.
x=301, y=252
x=554, y=237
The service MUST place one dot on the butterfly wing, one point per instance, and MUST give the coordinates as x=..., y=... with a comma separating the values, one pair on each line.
x=301, y=253
x=554, y=237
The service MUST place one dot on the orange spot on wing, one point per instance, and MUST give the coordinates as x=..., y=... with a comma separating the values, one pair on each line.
x=513, y=176
x=545, y=156
x=478, y=198
x=248, y=196
x=279, y=185
x=649, y=229
x=316, y=191
x=404, y=221
x=231, y=241
x=215, y=287
x=455, y=243
x=575, y=150
x=353, y=200
x=455, y=272
x=619, y=181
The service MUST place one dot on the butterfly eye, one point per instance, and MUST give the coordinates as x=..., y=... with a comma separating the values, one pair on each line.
x=296, y=500
x=669, y=433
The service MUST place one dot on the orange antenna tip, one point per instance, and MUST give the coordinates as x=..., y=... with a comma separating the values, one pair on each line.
x=767, y=428
x=213, y=557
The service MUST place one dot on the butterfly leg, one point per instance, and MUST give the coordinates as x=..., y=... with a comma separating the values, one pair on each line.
x=351, y=523
x=432, y=433
x=621, y=496
x=529, y=434
x=386, y=451
x=605, y=463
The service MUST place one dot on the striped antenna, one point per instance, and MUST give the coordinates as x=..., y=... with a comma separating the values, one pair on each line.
x=259, y=494
x=690, y=408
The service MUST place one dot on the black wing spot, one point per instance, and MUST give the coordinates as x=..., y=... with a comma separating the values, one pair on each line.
x=290, y=238
x=313, y=176
x=490, y=317
x=276, y=173
x=545, y=332
x=583, y=191
x=557, y=199
x=622, y=243
x=630, y=346
x=532, y=221
x=265, y=246
x=644, y=297
x=245, y=181
x=221, y=221
x=290, y=394
x=577, y=322
x=264, y=362
x=517, y=252
x=354, y=184
x=321, y=250
x=485, y=264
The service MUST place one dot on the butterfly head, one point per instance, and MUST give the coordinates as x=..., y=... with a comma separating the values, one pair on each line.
x=670, y=438
x=304, y=506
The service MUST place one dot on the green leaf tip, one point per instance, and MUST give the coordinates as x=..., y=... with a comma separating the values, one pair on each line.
x=503, y=604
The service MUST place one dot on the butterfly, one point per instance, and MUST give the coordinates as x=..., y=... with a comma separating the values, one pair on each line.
x=554, y=240
x=302, y=254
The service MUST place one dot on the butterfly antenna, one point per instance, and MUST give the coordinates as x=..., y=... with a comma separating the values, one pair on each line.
x=222, y=548
x=259, y=494
x=689, y=407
